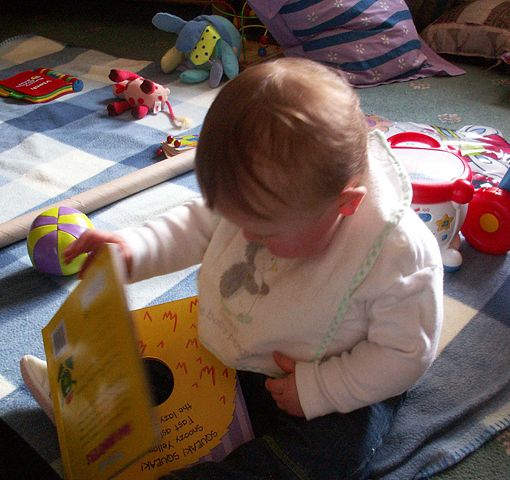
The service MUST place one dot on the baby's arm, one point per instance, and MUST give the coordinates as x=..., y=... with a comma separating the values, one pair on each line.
x=166, y=244
x=170, y=242
x=404, y=327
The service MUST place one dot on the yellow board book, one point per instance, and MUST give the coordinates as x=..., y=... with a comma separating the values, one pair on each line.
x=135, y=394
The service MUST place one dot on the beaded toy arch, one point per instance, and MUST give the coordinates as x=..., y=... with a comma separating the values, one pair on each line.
x=244, y=19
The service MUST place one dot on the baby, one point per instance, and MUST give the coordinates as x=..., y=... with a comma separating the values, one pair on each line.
x=317, y=283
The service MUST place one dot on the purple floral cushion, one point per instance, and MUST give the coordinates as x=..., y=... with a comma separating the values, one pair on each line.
x=371, y=41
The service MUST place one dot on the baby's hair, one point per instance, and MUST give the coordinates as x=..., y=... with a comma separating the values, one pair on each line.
x=291, y=128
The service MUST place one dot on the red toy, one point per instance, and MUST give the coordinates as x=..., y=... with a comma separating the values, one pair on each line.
x=442, y=189
x=487, y=225
x=140, y=95
x=39, y=86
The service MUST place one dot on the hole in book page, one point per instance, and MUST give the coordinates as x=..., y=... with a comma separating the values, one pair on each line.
x=161, y=380
x=59, y=339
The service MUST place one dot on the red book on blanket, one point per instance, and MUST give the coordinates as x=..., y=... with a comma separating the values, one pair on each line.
x=38, y=86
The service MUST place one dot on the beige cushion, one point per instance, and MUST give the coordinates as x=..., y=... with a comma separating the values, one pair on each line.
x=475, y=28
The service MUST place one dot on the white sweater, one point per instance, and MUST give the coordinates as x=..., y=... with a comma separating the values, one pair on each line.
x=362, y=319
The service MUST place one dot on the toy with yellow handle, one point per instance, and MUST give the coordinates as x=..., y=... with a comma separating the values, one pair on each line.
x=487, y=224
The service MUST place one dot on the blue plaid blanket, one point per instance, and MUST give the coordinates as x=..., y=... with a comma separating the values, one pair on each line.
x=53, y=151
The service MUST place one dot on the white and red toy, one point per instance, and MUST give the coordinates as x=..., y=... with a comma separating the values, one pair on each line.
x=140, y=95
x=442, y=188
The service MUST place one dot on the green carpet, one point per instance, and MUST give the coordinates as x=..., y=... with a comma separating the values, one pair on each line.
x=481, y=96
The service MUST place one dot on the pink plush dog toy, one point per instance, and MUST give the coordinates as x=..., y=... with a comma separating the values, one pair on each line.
x=141, y=96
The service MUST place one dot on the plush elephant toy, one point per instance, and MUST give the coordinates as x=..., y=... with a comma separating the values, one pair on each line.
x=207, y=47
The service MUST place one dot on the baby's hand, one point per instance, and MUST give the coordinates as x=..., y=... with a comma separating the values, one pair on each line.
x=91, y=241
x=284, y=390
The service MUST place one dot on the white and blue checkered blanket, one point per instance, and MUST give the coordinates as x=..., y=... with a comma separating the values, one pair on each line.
x=52, y=151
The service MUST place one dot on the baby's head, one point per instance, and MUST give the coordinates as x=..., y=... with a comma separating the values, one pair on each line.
x=286, y=135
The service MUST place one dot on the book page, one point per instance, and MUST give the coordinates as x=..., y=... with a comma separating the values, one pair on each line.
x=101, y=397
x=198, y=404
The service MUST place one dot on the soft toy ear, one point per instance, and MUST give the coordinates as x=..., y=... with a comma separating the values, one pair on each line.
x=190, y=35
x=228, y=59
x=168, y=22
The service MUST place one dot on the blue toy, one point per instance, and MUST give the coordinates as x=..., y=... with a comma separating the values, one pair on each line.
x=207, y=47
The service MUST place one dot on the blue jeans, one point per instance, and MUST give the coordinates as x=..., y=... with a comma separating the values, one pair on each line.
x=332, y=447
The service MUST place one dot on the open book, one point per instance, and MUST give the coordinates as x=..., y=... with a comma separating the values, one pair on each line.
x=135, y=394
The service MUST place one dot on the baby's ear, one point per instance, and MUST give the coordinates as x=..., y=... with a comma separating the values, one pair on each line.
x=350, y=200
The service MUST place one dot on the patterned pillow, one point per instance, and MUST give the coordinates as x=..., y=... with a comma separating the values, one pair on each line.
x=478, y=28
x=371, y=41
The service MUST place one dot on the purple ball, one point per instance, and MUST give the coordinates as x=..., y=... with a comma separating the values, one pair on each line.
x=50, y=233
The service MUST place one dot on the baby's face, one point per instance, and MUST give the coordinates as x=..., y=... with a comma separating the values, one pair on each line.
x=290, y=235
